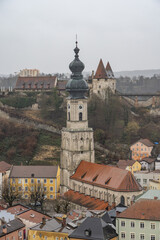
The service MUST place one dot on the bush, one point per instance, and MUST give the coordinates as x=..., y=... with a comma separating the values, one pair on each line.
x=18, y=102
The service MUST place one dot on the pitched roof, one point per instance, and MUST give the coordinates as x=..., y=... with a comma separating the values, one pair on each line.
x=96, y=228
x=32, y=216
x=106, y=176
x=101, y=72
x=145, y=141
x=11, y=226
x=37, y=171
x=85, y=201
x=124, y=163
x=148, y=160
x=16, y=209
x=109, y=71
x=36, y=82
x=61, y=84
x=145, y=209
x=4, y=166
x=150, y=194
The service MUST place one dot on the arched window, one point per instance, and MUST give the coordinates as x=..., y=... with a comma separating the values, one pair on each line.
x=80, y=116
x=122, y=200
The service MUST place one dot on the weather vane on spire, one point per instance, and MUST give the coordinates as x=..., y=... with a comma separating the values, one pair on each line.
x=76, y=40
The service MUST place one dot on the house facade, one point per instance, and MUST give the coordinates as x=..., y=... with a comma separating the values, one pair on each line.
x=130, y=165
x=141, y=149
x=144, y=177
x=14, y=229
x=139, y=221
x=28, y=179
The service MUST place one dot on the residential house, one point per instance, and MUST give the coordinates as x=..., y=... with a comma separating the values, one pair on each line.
x=36, y=83
x=154, y=184
x=147, y=164
x=29, y=73
x=94, y=228
x=4, y=173
x=144, y=177
x=130, y=165
x=51, y=230
x=28, y=179
x=14, y=230
x=103, y=182
x=141, y=149
x=150, y=194
x=140, y=221
x=113, y=213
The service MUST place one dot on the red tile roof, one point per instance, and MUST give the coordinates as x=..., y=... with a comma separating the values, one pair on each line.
x=17, y=209
x=101, y=72
x=145, y=209
x=148, y=160
x=42, y=82
x=32, y=216
x=106, y=176
x=81, y=199
x=4, y=166
x=124, y=163
x=61, y=84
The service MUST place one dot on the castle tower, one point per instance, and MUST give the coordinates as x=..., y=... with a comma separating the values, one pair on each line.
x=77, y=138
x=103, y=79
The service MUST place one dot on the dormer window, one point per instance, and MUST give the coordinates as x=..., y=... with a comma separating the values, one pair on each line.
x=87, y=232
x=94, y=179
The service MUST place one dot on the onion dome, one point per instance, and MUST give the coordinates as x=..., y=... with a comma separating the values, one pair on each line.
x=76, y=86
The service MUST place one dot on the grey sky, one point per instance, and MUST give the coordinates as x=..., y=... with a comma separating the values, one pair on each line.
x=41, y=34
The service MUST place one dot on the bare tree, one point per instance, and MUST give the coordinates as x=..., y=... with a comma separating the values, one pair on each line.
x=9, y=193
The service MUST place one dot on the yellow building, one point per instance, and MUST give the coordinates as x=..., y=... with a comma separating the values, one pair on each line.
x=50, y=230
x=130, y=165
x=154, y=184
x=28, y=180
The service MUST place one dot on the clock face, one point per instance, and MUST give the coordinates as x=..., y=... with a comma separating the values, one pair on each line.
x=80, y=106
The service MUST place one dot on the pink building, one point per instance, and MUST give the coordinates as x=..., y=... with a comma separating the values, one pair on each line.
x=13, y=230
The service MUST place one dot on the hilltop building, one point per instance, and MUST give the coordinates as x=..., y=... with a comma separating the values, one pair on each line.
x=102, y=80
x=86, y=184
x=141, y=149
x=29, y=73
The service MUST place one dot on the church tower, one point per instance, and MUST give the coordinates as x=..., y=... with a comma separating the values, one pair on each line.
x=77, y=138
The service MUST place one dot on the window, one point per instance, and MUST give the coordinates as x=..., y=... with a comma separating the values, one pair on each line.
x=141, y=224
x=20, y=234
x=51, y=196
x=153, y=226
x=38, y=181
x=123, y=235
x=51, y=189
x=26, y=180
x=45, y=189
x=45, y=180
x=19, y=180
x=122, y=223
x=26, y=189
x=80, y=116
x=32, y=180
x=132, y=235
x=32, y=189
x=26, y=196
x=13, y=180
x=80, y=106
x=144, y=180
x=153, y=237
x=19, y=189
x=141, y=236
x=69, y=116
x=51, y=180
x=132, y=224
x=33, y=235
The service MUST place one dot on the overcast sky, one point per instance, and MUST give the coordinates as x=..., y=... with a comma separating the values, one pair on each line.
x=41, y=34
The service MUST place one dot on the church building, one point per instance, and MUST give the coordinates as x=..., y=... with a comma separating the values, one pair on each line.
x=80, y=175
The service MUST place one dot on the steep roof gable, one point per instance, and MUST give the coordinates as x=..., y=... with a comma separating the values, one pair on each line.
x=106, y=176
x=109, y=71
x=4, y=166
x=101, y=72
x=145, y=141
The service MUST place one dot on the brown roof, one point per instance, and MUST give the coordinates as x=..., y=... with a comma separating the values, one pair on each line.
x=145, y=209
x=81, y=199
x=101, y=72
x=33, y=216
x=61, y=84
x=146, y=142
x=106, y=176
x=4, y=166
x=36, y=82
x=17, y=209
x=37, y=171
x=124, y=163
x=148, y=160
x=109, y=70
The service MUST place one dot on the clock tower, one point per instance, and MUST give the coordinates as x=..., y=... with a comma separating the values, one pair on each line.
x=77, y=138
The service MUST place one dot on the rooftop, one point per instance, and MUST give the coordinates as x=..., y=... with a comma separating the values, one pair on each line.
x=124, y=163
x=16, y=209
x=148, y=160
x=33, y=171
x=101, y=72
x=4, y=166
x=33, y=216
x=145, y=209
x=146, y=142
x=106, y=176
x=11, y=226
x=150, y=194
x=85, y=201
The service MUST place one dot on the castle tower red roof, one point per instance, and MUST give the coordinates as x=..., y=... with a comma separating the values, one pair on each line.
x=109, y=70
x=101, y=72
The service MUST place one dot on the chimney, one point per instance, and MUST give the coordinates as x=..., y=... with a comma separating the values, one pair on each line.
x=43, y=220
x=92, y=74
x=4, y=229
x=155, y=198
x=64, y=221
